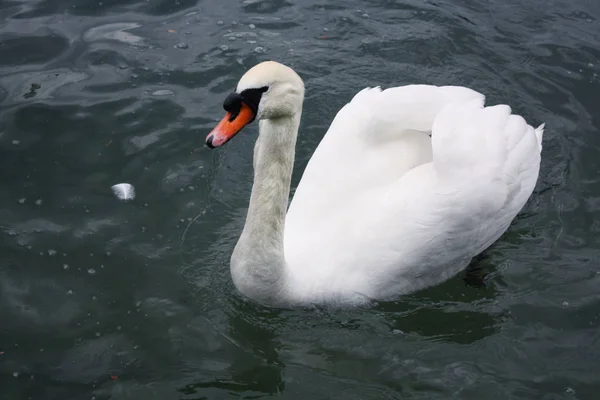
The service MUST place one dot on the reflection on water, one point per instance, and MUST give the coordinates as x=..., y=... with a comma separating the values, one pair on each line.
x=133, y=300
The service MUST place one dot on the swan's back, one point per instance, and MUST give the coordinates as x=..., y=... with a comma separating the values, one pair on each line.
x=383, y=210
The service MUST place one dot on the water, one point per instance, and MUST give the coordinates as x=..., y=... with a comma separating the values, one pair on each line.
x=109, y=299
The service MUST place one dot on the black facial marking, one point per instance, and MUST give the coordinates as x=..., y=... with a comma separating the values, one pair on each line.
x=233, y=104
x=251, y=97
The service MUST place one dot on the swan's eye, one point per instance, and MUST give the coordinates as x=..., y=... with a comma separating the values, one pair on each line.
x=252, y=97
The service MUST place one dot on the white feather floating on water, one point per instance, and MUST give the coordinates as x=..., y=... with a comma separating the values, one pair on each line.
x=124, y=191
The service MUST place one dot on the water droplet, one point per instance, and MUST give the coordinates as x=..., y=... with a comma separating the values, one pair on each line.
x=224, y=47
x=16, y=142
x=91, y=271
x=51, y=252
x=565, y=303
x=182, y=46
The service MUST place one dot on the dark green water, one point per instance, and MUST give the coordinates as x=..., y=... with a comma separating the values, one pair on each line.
x=110, y=300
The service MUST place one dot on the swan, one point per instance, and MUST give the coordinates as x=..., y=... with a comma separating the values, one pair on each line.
x=405, y=188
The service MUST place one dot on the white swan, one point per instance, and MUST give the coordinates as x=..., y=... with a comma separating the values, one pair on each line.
x=382, y=209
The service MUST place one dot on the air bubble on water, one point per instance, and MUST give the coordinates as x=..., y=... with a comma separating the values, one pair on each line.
x=94, y=298
x=234, y=23
x=139, y=303
x=124, y=191
x=51, y=252
x=570, y=390
x=22, y=201
x=365, y=15
x=16, y=142
x=590, y=65
x=38, y=202
x=119, y=327
x=232, y=38
x=182, y=46
x=252, y=26
x=102, y=266
x=251, y=41
x=41, y=350
x=91, y=271
x=397, y=332
x=69, y=292
x=224, y=47
x=16, y=374
x=219, y=22
x=565, y=303
x=65, y=266
x=135, y=347
x=98, y=334
x=260, y=50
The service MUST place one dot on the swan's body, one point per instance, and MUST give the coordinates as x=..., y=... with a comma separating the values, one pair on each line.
x=382, y=209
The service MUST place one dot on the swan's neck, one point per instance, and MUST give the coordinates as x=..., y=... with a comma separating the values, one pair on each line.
x=258, y=261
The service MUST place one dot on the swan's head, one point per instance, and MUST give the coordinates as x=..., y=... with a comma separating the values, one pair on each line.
x=268, y=90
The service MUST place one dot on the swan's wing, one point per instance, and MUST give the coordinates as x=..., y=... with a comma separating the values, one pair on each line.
x=425, y=225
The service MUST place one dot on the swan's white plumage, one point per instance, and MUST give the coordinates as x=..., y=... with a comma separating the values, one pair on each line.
x=383, y=209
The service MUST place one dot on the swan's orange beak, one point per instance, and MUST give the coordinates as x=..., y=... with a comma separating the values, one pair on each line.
x=229, y=126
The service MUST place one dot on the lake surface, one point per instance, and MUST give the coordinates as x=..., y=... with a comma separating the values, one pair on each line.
x=104, y=299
